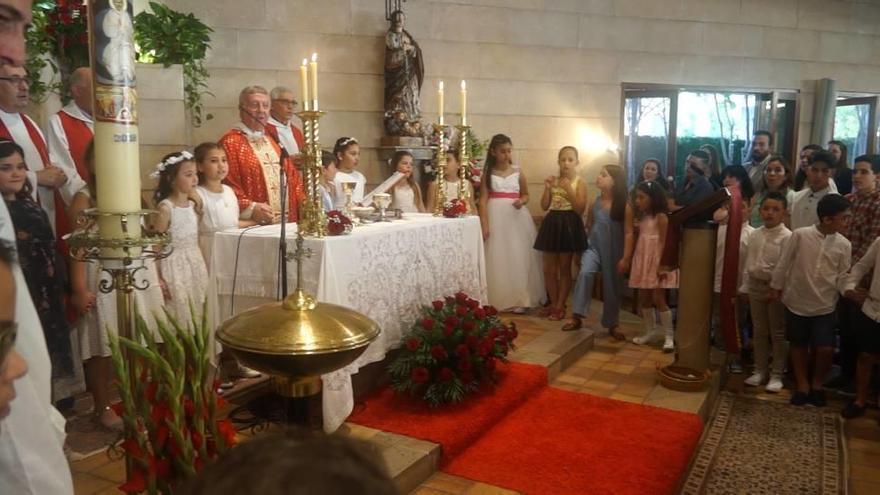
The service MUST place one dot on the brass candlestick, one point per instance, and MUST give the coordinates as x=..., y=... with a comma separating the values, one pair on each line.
x=464, y=169
x=440, y=195
x=312, y=220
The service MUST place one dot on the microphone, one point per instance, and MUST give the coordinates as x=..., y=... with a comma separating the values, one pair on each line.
x=251, y=115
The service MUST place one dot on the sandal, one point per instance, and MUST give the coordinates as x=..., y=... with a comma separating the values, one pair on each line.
x=557, y=314
x=614, y=332
x=574, y=324
x=545, y=311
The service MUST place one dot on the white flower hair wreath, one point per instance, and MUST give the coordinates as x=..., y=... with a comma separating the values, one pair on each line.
x=171, y=160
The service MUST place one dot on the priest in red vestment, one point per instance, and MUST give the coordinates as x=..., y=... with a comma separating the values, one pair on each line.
x=254, y=157
x=280, y=127
x=53, y=183
x=71, y=129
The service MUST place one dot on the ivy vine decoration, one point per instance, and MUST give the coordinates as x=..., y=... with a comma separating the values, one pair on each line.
x=39, y=43
x=165, y=36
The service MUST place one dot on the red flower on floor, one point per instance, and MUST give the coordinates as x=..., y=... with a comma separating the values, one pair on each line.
x=446, y=374
x=439, y=353
x=462, y=351
x=448, y=330
x=438, y=305
x=136, y=483
x=428, y=323
x=413, y=344
x=479, y=313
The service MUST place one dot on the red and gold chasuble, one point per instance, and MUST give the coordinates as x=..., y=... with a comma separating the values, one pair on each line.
x=246, y=176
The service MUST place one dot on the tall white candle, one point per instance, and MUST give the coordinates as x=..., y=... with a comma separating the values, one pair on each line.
x=440, y=103
x=463, y=103
x=313, y=67
x=304, y=82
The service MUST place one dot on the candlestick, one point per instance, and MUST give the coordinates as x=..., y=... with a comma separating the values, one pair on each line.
x=440, y=104
x=304, y=83
x=463, y=103
x=440, y=176
x=313, y=67
x=464, y=170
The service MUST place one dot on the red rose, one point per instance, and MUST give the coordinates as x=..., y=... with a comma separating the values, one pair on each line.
x=413, y=344
x=428, y=323
x=196, y=439
x=450, y=300
x=162, y=434
x=493, y=333
x=479, y=313
x=227, y=431
x=473, y=304
x=462, y=351
x=159, y=412
x=483, y=350
x=461, y=297
x=420, y=375
x=512, y=334
x=132, y=448
x=490, y=364
x=472, y=341
x=465, y=365
x=136, y=483
x=468, y=326
x=451, y=320
x=188, y=407
x=448, y=330
x=490, y=310
x=438, y=305
x=466, y=377
x=446, y=374
x=439, y=353
x=461, y=310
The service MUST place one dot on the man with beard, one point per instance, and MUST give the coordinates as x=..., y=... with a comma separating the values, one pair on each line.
x=255, y=160
x=762, y=142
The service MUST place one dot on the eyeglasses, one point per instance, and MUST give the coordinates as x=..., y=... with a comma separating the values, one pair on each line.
x=15, y=80
x=8, y=332
x=290, y=103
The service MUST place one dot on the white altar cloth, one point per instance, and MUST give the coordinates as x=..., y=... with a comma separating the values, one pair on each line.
x=386, y=271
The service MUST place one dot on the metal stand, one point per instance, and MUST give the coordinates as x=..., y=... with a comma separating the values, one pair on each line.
x=464, y=170
x=312, y=220
x=440, y=176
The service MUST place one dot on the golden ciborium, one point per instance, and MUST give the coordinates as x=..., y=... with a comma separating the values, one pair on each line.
x=298, y=339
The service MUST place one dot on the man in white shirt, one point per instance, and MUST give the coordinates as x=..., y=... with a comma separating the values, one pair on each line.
x=282, y=104
x=803, y=206
x=867, y=323
x=811, y=269
x=72, y=128
x=768, y=318
x=44, y=173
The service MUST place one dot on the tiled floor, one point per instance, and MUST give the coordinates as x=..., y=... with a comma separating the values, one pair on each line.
x=618, y=370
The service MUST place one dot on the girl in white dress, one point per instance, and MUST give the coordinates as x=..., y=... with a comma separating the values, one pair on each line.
x=97, y=310
x=183, y=275
x=348, y=154
x=513, y=266
x=406, y=195
x=452, y=184
x=217, y=200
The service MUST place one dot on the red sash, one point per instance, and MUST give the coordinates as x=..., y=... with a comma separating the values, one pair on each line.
x=297, y=134
x=78, y=137
x=505, y=195
x=730, y=272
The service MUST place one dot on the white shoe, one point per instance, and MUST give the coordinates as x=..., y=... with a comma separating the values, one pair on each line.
x=245, y=372
x=755, y=380
x=650, y=334
x=774, y=385
x=669, y=344
x=646, y=338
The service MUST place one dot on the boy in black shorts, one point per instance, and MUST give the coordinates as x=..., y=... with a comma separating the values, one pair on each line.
x=867, y=324
x=813, y=264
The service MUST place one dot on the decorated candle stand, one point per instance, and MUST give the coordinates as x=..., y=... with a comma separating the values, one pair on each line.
x=312, y=220
x=464, y=169
x=440, y=176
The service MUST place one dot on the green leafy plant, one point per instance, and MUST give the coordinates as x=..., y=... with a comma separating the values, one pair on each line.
x=451, y=351
x=40, y=44
x=165, y=36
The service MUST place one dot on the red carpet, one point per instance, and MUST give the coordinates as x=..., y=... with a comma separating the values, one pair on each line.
x=455, y=427
x=561, y=442
x=555, y=442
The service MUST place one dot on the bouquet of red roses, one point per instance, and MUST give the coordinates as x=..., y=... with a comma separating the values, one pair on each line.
x=337, y=223
x=454, y=208
x=452, y=350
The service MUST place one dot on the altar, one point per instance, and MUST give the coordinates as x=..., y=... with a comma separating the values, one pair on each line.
x=386, y=271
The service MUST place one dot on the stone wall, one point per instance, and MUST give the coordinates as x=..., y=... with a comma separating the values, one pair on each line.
x=546, y=72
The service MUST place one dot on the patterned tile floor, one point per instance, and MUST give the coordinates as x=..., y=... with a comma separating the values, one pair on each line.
x=618, y=370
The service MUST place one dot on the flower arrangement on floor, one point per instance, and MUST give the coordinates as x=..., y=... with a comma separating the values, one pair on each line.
x=454, y=208
x=452, y=350
x=168, y=405
x=338, y=223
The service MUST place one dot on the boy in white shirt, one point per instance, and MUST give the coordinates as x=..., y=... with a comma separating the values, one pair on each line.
x=819, y=184
x=811, y=269
x=867, y=323
x=761, y=256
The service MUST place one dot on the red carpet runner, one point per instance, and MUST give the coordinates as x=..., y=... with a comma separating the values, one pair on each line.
x=532, y=438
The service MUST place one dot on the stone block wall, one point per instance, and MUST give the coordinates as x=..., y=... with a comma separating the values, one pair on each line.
x=546, y=72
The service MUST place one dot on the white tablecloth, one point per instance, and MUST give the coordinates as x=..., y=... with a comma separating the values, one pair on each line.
x=386, y=271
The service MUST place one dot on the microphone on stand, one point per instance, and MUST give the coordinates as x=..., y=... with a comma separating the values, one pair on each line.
x=282, y=197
